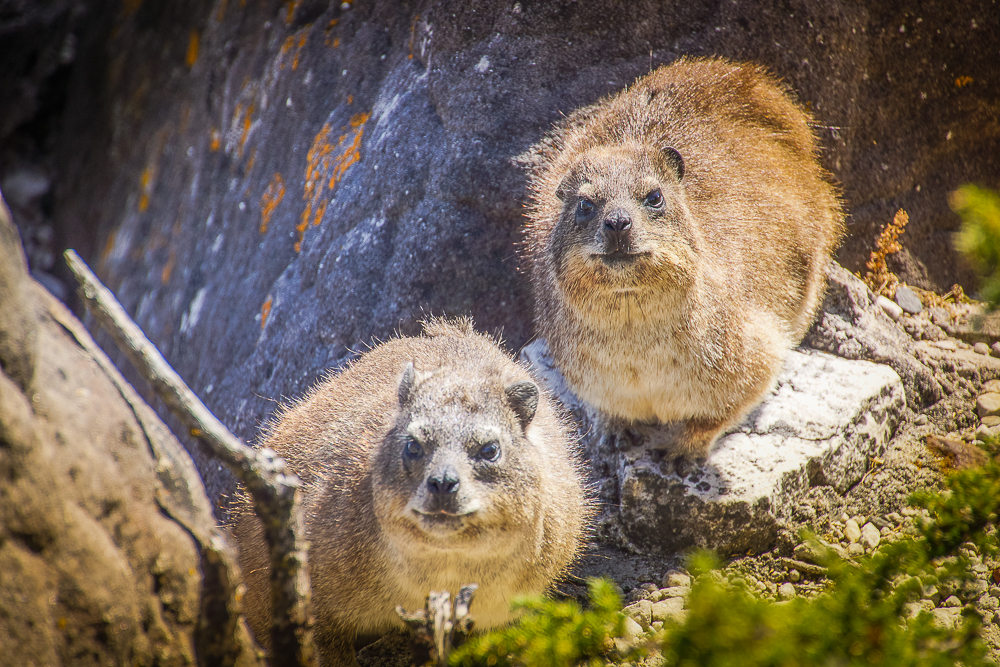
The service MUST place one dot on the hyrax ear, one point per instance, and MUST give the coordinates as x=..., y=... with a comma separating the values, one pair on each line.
x=568, y=188
x=523, y=397
x=407, y=383
x=671, y=161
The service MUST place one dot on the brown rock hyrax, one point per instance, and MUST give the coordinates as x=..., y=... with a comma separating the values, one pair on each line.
x=429, y=463
x=677, y=238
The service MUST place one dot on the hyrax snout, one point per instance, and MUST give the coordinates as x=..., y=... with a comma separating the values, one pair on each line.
x=429, y=463
x=677, y=238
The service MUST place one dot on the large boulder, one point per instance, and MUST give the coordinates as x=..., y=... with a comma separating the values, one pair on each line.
x=109, y=550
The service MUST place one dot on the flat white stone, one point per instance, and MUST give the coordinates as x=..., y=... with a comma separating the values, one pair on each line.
x=823, y=422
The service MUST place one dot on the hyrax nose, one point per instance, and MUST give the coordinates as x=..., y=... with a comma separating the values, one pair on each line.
x=443, y=482
x=617, y=230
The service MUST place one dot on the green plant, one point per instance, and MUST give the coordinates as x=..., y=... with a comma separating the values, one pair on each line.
x=979, y=237
x=862, y=618
x=552, y=633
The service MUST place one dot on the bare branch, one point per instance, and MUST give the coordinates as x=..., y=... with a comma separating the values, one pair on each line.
x=272, y=486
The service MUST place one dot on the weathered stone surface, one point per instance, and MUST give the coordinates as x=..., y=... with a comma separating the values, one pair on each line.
x=268, y=186
x=824, y=420
x=988, y=405
x=109, y=550
x=852, y=326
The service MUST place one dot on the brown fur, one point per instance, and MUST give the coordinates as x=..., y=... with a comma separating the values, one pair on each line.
x=516, y=523
x=692, y=318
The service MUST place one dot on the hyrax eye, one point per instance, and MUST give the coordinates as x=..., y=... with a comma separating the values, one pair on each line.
x=412, y=449
x=490, y=452
x=584, y=209
x=654, y=199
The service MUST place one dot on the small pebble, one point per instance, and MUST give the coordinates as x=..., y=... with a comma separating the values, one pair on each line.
x=995, y=591
x=855, y=549
x=952, y=601
x=844, y=518
x=641, y=612
x=786, y=591
x=908, y=300
x=991, y=385
x=656, y=626
x=894, y=517
x=885, y=531
x=655, y=596
x=860, y=519
x=947, y=345
x=996, y=349
x=675, y=578
x=851, y=530
x=794, y=576
x=631, y=629
x=675, y=592
x=920, y=420
x=870, y=536
x=988, y=405
x=991, y=421
x=661, y=611
x=891, y=309
x=981, y=348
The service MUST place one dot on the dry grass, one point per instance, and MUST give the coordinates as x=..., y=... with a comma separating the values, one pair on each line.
x=879, y=278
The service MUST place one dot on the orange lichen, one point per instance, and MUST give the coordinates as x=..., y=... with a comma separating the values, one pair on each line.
x=216, y=141
x=145, y=185
x=287, y=45
x=270, y=199
x=221, y=14
x=963, y=81
x=191, y=57
x=298, y=50
x=413, y=34
x=243, y=116
x=350, y=99
x=109, y=247
x=290, y=6
x=168, y=268
x=265, y=310
x=326, y=165
x=252, y=161
x=329, y=36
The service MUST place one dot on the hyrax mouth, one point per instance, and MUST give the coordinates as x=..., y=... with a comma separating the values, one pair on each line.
x=442, y=521
x=619, y=258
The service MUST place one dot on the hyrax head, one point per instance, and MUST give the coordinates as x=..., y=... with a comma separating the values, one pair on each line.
x=458, y=470
x=624, y=226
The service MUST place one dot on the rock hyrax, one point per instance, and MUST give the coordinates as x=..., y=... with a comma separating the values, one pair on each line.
x=429, y=463
x=677, y=238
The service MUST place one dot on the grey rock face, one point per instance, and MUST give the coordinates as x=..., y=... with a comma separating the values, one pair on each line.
x=851, y=325
x=297, y=185
x=824, y=420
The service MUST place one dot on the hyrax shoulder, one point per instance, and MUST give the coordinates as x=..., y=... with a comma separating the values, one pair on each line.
x=429, y=463
x=677, y=237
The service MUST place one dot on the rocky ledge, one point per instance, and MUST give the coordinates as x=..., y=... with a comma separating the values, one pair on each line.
x=822, y=424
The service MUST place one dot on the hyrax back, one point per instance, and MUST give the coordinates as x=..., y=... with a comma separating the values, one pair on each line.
x=429, y=463
x=677, y=238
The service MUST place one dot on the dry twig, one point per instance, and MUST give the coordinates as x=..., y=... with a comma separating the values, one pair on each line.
x=440, y=626
x=273, y=488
